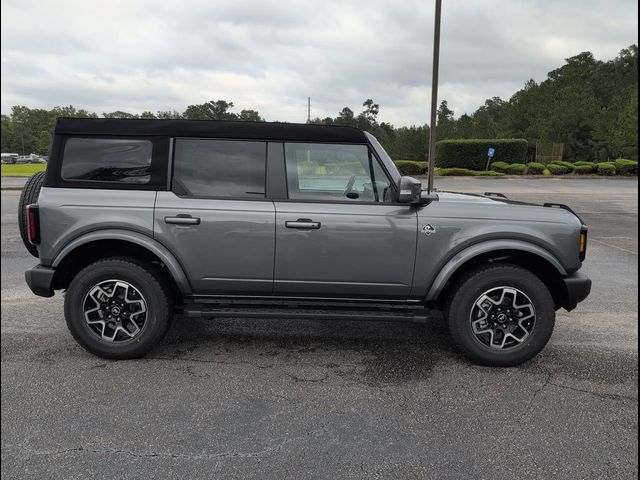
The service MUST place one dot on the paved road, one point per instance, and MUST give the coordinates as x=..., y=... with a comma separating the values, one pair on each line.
x=13, y=182
x=323, y=399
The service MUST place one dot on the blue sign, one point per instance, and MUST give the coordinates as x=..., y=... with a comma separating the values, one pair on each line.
x=492, y=152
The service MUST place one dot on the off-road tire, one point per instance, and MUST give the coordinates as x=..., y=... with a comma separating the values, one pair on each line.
x=144, y=278
x=471, y=286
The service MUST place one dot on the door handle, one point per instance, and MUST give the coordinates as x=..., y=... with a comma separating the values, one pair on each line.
x=182, y=219
x=303, y=224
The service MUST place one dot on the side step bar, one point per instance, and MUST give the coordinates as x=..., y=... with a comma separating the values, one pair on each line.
x=309, y=312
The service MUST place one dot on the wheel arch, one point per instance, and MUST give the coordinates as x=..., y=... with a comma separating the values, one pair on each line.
x=529, y=256
x=109, y=243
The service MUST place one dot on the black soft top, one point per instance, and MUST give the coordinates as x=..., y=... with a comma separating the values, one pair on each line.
x=210, y=129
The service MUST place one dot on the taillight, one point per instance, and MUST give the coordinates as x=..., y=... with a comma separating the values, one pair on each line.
x=33, y=223
x=583, y=243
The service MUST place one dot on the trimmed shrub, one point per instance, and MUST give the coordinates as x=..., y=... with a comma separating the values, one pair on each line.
x=555, y=169
x=583, y=169
x=591, y=165
x=455, y=172
x=409, y=167
x=568, y=165
x=489, y=173
x=500, y=167
x=606, y=168
x=546, y=172
x=535, y=168
x=517, y=169
x=472, y=154
x=626, y=167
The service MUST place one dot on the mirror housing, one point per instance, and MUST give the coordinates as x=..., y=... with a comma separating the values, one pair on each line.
x=409, y=190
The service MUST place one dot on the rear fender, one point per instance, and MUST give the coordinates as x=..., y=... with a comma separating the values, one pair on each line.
x=169, y=260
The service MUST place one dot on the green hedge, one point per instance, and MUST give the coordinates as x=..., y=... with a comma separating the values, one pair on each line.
x=517, y=169
x=409, y=167
x=568, y=165
x=456, y=172
x=583, y=170
x=606, y=168
x=465, y=172
x=555, y=169
x=535, y=168
x=626, y=167
x=500, y=167
x=590, y=165
x=472, y=154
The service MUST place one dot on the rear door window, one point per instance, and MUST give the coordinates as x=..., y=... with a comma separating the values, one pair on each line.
x=220, y=168
x=115, y=160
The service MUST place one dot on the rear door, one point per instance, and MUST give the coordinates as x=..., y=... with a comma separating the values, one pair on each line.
x=340, y=232
x=216, y=220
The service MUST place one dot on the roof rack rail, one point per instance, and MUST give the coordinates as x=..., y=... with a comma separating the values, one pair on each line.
x=563, y=207
x=495, y=194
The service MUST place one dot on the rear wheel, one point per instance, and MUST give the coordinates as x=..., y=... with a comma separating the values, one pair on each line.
x=500, y=315
x=29, y=195
x=118, y=308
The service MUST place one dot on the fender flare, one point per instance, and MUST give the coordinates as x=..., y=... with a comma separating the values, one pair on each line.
x=462, y=257
x=155, y=247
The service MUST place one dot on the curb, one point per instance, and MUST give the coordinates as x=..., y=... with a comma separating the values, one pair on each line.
x=11, y=187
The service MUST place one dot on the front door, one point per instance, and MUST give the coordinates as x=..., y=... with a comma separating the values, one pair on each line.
x=340, y=233
x=217, y=221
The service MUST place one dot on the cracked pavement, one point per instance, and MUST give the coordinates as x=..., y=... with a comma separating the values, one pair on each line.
x=327, y=399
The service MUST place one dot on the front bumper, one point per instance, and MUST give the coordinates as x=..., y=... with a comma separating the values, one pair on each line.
x=40, y=280
x=577, y=288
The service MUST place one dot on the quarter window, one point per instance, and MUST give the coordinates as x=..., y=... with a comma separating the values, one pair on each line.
x=220, y=168
x=107, y=160
x=335, y=172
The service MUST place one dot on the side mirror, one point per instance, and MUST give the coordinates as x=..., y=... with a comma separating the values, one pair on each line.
x=409, y=190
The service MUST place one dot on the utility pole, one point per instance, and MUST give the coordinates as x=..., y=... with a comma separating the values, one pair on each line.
x=308, y=109
x=434, y=96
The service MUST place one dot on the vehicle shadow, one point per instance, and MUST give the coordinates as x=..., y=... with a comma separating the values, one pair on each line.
x=382, y=352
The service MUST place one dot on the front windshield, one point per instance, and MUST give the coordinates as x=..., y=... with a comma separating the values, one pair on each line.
x=384, y=157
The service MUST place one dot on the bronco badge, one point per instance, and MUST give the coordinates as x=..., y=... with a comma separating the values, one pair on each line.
x=428, y=229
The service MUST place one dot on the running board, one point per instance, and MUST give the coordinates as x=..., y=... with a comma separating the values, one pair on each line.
x=382, y=312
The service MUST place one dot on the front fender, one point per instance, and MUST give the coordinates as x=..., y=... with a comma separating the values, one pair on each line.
x=476, y=250
x=172, y=264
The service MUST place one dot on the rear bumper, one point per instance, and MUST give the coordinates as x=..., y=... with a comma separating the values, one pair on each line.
x=40, y=280
x=577, y=288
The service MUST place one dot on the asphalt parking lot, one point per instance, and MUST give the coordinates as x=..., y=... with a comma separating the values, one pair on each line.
x=326, y=399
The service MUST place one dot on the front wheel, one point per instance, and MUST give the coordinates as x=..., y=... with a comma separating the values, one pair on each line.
x=500, y=315
x=118, y=308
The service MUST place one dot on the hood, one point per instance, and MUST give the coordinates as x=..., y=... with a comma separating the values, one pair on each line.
x=479, y=199
x=467, y=205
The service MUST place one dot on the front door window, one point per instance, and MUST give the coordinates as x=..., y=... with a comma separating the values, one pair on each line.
x=331, y=172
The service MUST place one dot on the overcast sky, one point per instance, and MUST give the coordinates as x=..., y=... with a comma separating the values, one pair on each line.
x=137, y=55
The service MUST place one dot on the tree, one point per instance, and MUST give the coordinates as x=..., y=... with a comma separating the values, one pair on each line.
x=119, y=114
x=168, y=114
x=346, y=117
x=445, y=123
x=218, y=110
x=250, y=116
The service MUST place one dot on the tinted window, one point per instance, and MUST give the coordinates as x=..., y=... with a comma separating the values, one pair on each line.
x=107, y=160
x=220, y=168
x=335, y=172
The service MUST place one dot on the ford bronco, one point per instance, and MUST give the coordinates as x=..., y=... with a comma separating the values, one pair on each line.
x=138, y=220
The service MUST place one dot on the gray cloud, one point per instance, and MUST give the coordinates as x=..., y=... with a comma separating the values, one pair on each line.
x=270, y=55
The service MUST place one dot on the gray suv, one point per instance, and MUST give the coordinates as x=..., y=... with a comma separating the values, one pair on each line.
x=139, y=220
